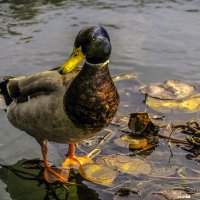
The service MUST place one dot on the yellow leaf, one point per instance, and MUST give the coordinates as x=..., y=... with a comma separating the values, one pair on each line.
x=189, y=105
x=99, y=174
x=127, y=141
x=125, y=164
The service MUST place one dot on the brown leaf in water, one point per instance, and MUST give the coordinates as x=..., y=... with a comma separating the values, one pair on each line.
x=169, y=90
x=141, y=124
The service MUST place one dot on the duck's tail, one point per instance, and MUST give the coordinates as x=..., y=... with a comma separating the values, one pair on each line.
x=5, y=99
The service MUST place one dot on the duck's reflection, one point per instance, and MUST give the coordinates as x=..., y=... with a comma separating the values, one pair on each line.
x=23, y=184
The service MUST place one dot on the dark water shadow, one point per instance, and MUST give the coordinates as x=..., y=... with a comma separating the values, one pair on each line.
x=23, y=184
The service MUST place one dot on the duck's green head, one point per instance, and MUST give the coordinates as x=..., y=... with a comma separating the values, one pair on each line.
x=93, y=44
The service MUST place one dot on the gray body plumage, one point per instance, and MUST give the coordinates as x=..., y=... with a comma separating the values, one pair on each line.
x=42, y=115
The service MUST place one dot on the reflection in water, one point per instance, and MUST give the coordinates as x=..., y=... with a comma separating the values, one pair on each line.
x=26, y=184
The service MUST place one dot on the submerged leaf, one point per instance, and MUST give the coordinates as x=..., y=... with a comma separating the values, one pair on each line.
x=123, y=77
x=125, y=164
x=99, y=174
x=176, y=193
x=127, y=141
x=190, y=105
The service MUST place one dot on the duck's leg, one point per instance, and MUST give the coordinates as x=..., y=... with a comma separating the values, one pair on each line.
x=73, y=161
x=52, y=175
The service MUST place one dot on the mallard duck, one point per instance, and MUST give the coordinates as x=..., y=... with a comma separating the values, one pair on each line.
x=66, y=104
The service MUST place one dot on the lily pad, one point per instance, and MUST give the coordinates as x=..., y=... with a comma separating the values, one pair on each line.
x=169, y=90
x=189, y=105
x=96, y=173
x=125, y=164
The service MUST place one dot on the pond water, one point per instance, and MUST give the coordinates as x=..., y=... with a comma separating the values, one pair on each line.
x=155, y=39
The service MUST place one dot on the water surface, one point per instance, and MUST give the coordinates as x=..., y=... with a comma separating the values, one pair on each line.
x=155, y=39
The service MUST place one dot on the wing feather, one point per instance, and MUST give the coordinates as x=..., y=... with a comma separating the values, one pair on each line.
x=43, y=81
x=20, y=88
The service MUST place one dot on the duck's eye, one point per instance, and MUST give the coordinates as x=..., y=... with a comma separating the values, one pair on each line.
x=76, y=54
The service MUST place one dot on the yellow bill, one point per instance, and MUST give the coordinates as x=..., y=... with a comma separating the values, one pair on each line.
x=74, y=60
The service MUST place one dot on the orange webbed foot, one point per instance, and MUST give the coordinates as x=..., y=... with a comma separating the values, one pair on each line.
x=75, y=162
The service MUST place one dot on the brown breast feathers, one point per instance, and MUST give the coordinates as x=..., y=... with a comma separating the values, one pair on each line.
x=92, y=99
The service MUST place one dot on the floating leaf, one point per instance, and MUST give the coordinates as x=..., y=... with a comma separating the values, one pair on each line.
x=125, y=164
x=180, y=88
x=127, y=141
x=138, y=143
x=99, y=174
x=169, y=90
x=140, y=123
x=189, y=105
